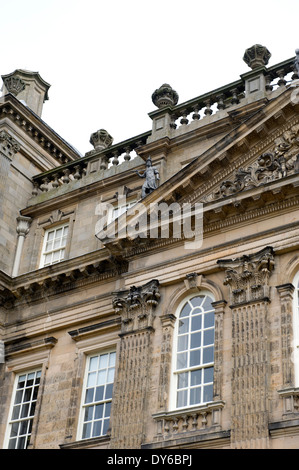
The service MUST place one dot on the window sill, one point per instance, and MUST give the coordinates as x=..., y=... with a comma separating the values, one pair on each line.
x=101, y=442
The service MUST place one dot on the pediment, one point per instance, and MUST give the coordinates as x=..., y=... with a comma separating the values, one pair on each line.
x=260, y=154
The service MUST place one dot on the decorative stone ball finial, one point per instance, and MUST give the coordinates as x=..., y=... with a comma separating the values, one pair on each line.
x=165, y=96
x=256, y=56
x=101, y=139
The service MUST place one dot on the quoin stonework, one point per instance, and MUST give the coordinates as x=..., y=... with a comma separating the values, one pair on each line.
x=149, y=288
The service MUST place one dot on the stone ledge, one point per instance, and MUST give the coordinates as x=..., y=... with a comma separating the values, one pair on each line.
x=95, y=442
x=217, y=439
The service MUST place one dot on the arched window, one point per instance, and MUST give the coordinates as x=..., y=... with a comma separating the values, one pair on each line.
x=193, y=360
x=296, y=327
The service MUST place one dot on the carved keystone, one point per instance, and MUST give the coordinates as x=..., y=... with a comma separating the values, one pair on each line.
x=256, y=56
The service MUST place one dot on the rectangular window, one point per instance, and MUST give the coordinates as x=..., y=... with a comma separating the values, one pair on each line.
x=23, y=410
x=54, y=245
x=97, y=396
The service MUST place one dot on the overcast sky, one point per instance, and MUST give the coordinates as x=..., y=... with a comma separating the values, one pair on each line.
x=104, y=59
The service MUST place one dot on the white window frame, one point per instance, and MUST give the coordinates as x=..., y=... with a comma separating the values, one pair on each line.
x=11, y=421
x=296, y=328
x=175, y=371
x=121, y=209
x=62, y=247
x=104, y=401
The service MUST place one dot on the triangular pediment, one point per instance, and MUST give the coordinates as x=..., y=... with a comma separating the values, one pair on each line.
x=258, y=155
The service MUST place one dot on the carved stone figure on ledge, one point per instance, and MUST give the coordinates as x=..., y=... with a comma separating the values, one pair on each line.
x=152, y=176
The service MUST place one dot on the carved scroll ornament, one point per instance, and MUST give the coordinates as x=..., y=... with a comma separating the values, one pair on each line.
x=281, y=161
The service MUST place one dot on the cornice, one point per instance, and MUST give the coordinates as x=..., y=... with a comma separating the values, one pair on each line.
x=37, y=129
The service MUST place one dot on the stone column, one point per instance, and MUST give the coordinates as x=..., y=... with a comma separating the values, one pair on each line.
x=129, y=405
x=22, y=230
x=248, y=281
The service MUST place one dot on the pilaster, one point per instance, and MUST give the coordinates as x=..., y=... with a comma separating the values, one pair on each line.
x=129, y=409
x=248, y=281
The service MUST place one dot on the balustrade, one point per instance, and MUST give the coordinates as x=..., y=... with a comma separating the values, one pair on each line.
x=197, y=419
x=232, y=94
x=76, y=170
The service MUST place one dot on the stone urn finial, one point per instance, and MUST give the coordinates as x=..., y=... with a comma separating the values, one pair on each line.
x=165, y=96
x=101, y=139
x=256, y=56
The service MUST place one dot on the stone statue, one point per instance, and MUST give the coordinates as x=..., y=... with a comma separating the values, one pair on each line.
x=151, y=174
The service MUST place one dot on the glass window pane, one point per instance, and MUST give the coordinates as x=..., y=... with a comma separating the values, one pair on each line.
x=14, y=429
x=106, y=426
x=195, y=357
x=99, y=393
x=102, y=377
x=182, y=398
x=112, y=357
x=197, y=301
x=58, y=233
x=86, y=430
x=89, y=395
x=93, y=363
x=110, y=376
x=12, y=443
x=208, y=354
x=183, y=380
x=208, y=337
x=208, y=319
x=196, y=323
x=107, y=409
x=50, y=235
x=35, y=391
x=183, y=342
x=185, y=310
x=88, y=413
x=195, y=340
x=196, y=377
x=25, y=410
x=208, y=374
x=23, y=427
x=183, y=325
x=21, y=443
x=97, y=427
x=109, y=390
x=182, y=360
x=27, y=394
x=21, y=382
x=32, y=408
x=103, y=361
x=19, y=395
x=16, y=412
x=91, y=381
x=208, y=393
x=99, y=411
x=207, y=305
x=195, y=395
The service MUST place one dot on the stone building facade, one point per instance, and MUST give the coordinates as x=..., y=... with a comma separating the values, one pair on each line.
x=118, y=332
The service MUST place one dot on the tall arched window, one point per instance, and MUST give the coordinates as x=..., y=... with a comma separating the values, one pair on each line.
x=193, y=360
x=296, y=327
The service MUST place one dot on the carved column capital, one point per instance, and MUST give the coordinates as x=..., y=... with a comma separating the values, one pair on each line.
x=136, y=306
x=248, y=276
x=8, y=145
x=23, y=225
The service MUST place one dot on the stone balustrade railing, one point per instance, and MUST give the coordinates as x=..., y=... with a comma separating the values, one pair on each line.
x=76, y=170
x=200, y=418
x=222, y=98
